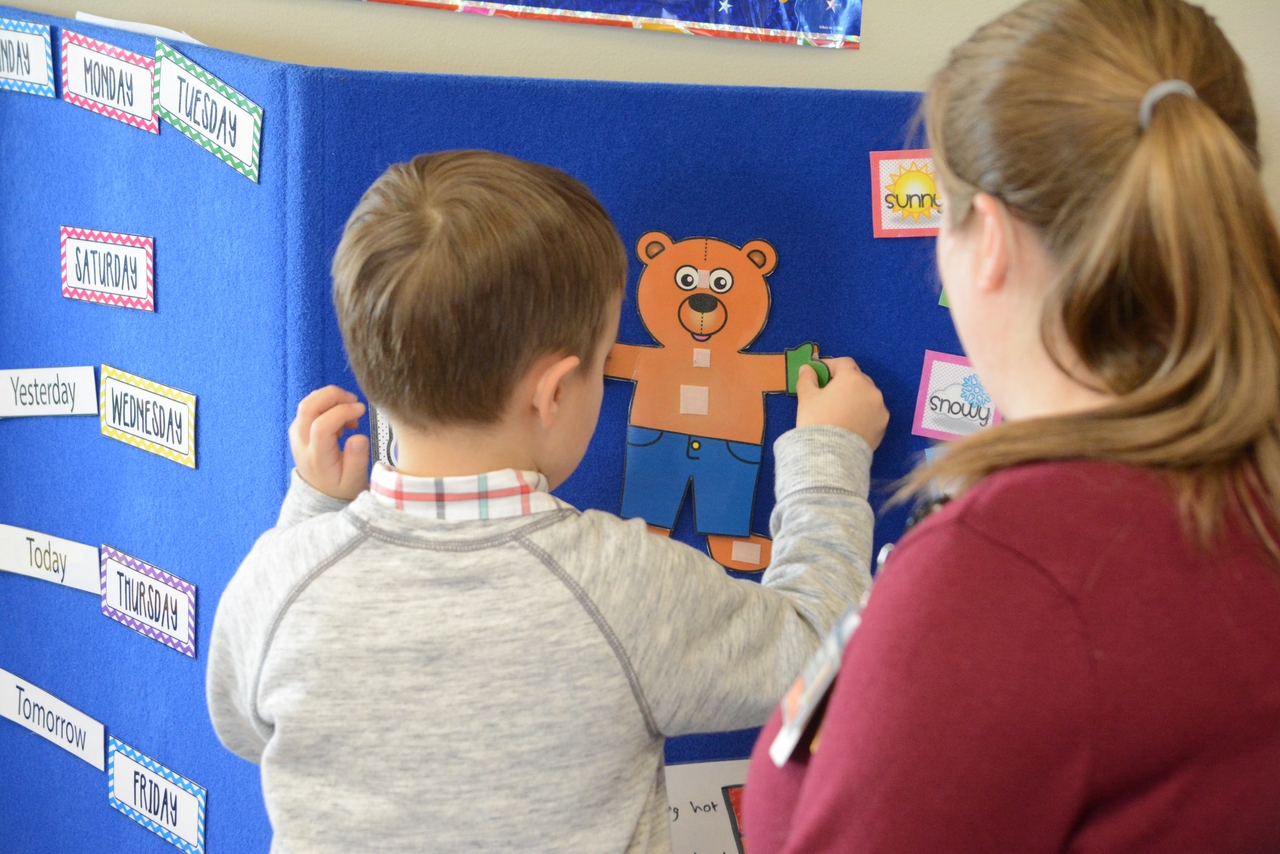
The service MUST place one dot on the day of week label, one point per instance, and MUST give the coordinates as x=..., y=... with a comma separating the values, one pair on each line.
x=52, y=559
x=26, y=58
x=148, y=600
x=211, y=113
x=108, y=80
x=48, y=391
x=47, y=716
x=154, y=417
x=166, y=803
x=108, y=268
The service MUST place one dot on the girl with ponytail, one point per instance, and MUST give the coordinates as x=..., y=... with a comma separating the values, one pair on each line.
x=1081, y=650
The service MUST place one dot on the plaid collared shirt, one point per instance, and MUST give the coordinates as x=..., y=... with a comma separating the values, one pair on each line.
x=494, y=495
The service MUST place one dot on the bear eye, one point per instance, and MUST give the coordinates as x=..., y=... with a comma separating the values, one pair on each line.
x=721, y=280
x=687, y=278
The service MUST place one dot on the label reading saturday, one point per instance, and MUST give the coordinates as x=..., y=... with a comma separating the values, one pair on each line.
x=108, y=267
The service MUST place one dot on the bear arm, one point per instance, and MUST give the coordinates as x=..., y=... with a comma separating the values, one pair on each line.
x=622, y=361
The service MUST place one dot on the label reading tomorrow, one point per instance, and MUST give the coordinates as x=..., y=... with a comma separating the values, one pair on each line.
x=48, y=717
x=51, y=559
x=48, y=391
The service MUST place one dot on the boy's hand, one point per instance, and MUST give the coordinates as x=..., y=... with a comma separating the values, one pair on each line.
x=849, y=400
x=322, y=417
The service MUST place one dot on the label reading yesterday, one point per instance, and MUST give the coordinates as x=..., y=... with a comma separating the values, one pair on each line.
x=108, y=268
x=108, y=80
x=26, y=58
x=154, y=417
x=48, y=391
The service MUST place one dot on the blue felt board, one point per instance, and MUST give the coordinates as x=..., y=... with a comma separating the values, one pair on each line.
x=244, y=321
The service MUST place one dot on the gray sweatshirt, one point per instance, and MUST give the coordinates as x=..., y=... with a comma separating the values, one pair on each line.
x=408, y=684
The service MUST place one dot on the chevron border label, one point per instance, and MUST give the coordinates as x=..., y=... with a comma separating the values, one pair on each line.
x=209, y=112
x=164, y=802
x=109, y=81
x=147, y=415
x=148, y=600
x=26, y=58
x=108, y=268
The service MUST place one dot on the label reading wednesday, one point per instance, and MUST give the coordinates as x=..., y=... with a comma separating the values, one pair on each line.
x=148, y=600
x=48, y=391
x=108, y=268
x=212, y=114
x=51, y=559
x=48, y=717
x=108, y=80
x=154, y=417
x=26, y=58
x=166, y=803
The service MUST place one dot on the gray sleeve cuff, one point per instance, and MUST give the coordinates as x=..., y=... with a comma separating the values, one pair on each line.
x=821, y=457
x=304, y=501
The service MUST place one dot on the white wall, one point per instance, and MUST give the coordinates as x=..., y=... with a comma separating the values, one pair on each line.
x=903, y=41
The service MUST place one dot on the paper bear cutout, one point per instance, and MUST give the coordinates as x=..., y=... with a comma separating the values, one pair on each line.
x=697, y=415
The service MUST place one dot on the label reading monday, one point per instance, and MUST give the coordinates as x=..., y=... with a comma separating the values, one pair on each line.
x=166, y=803
x=108, y=80
x=149, y=600
x=47, y=716
x=148, y=415
x=48, y=391
x=52, y=559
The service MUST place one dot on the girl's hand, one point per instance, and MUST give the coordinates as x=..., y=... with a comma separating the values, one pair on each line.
x=850, y=400
x=322, y=418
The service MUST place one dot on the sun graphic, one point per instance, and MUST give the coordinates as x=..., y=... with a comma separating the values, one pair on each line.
x=913, y=192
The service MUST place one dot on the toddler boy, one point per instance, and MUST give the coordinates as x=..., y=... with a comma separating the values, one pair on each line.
x=452, y=659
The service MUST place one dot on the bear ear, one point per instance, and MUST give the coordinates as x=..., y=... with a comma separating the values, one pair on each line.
x=652, y=245
x=762, y=254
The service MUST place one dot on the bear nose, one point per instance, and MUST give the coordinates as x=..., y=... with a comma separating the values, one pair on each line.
x=703, y=303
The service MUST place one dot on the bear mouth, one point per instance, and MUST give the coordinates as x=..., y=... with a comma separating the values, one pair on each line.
x=697, y=337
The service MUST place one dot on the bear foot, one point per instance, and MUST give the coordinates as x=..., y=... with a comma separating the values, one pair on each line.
x=741, y=554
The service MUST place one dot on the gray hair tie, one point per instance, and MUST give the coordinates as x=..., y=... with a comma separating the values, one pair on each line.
x=1158, y=91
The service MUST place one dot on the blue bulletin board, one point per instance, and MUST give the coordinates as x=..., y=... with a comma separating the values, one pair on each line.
x=244, y=322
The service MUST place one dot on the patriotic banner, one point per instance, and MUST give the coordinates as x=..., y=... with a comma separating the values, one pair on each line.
x=819, y=23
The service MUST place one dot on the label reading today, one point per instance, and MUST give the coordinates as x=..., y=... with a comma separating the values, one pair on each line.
x=108, y=80
x=208, y=111
x=48, y=558
x=108, y=268
x=166, y=803
x=26, y=58
x=154, y=417
x=48, y=391
x=48, y=717
x=148, y=600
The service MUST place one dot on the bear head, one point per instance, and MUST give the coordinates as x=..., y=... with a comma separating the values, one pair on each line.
x=703, y=291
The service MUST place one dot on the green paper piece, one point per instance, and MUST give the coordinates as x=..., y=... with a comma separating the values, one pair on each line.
x=943, y=301
x=218, y=130
x=805, y=354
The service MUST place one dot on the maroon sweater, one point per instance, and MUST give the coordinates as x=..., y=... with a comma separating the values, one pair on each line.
x=1046, y=665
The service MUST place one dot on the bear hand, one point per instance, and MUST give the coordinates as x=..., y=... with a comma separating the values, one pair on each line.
x=805, y=354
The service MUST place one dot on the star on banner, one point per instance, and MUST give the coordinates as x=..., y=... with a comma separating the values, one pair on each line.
x=725, y=6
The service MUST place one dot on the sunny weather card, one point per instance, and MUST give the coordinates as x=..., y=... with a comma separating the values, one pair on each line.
x=904, y=194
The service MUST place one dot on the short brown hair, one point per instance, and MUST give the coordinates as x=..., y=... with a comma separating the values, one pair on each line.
x=1169, y=285
x=457, y=270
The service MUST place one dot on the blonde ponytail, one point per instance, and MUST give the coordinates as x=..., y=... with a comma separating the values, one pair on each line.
x=1169, y=290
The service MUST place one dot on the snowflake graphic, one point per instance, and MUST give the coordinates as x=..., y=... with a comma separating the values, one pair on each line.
x=972, y=392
